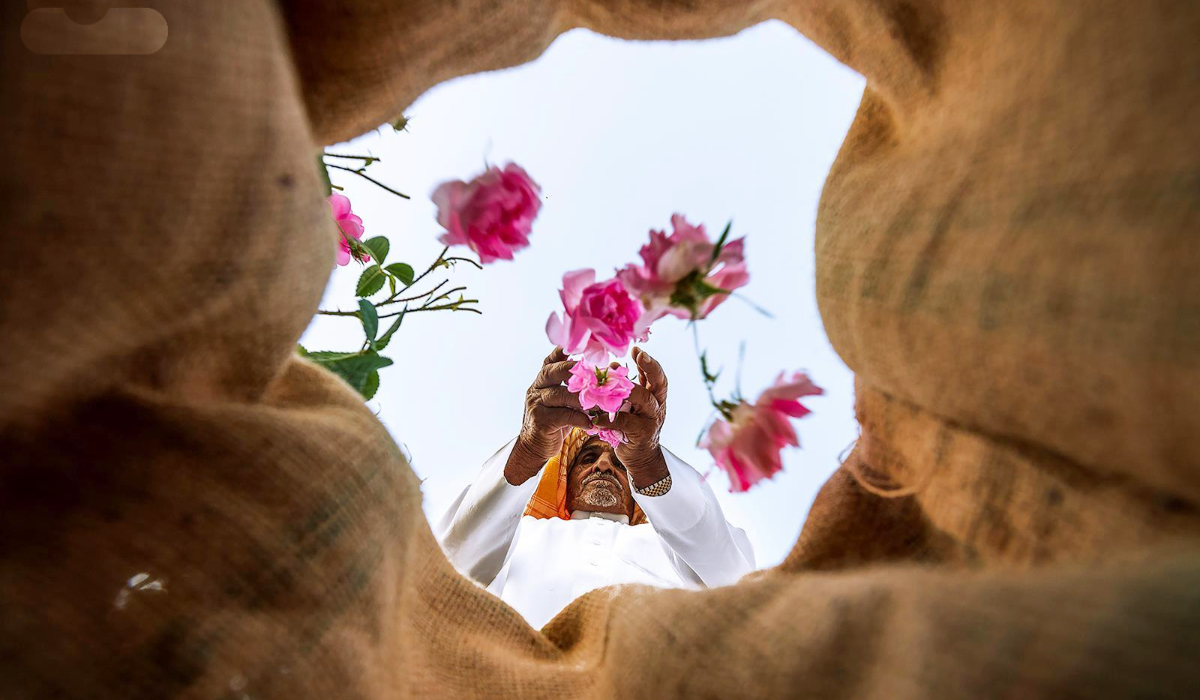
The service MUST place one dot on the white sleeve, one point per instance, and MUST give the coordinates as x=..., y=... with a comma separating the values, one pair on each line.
x=691, y=522
x=477, y=530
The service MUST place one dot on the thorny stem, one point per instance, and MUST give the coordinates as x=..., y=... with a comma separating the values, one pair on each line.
x=445, y=294
x=397, y=299
x=700, y=358
x=418, y=278
x=456, y=306
x=350, y=157
x=455, y=259
x=369, y=179
x=425, y=307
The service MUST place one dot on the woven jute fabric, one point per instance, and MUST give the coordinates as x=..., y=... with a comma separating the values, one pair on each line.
x=1007, y=257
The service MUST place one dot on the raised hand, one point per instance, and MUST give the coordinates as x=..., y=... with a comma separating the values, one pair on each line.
x=642, y=422
x=550, y=409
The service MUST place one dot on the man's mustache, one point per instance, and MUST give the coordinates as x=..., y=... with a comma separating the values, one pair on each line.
x=601, y=475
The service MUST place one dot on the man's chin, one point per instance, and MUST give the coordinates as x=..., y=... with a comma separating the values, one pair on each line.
x=600, y=496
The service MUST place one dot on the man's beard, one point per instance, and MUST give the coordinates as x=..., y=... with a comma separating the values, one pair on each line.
x=599, y=496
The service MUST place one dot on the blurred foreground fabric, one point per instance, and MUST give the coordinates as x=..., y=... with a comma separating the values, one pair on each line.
x=1007, y=257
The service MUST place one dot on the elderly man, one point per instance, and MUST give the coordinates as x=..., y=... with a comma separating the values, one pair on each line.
x=597, y=516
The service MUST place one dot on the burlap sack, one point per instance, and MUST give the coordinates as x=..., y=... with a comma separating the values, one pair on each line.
x=1006, y=257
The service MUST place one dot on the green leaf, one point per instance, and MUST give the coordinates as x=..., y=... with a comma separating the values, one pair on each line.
x=402, y=271
x=324, y=173
x=371, y=386
x=301, y=351
x=709, y=377
x=379, y=247
x=391, y=285
x=355, y=368
x=370, y=282
x=370, y=319
x=387, y=335
x=721, y=242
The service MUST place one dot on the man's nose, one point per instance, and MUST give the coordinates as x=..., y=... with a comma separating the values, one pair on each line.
x=605, y=464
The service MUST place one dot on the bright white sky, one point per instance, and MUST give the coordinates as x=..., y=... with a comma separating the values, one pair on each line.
x=619, y=135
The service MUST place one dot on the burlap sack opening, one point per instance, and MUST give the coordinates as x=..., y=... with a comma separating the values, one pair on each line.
x=1005, y=257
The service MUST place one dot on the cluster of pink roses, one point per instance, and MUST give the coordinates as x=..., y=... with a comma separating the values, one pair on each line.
x=598, y=318
x=493, y=215
x=684, y=274
x=603, y=388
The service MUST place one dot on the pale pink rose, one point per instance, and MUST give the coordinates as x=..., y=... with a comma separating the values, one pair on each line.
x=612, y=437
x=349, y=223
x=492, y=214
x=598, y=318
x=747, y=443
x=676, y=269
x=605, y=388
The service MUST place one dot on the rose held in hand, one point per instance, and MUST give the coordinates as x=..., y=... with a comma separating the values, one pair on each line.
x=612, y=437
x=598, y=318
x=604, y=388
x=748, y=441
x=492, y=214
x=639, y=422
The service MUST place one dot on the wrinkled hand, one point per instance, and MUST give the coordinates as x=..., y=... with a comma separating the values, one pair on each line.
x=549, y=410
x=642, y=422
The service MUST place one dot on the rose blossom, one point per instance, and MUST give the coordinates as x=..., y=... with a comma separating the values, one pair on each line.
x=598, y=318
x=612, y=437
x=491, y=214
x=349, y=223
x=748, y=441
x=605, y=388
x=678, y=272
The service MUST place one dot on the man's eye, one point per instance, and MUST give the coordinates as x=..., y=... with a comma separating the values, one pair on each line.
x=589, y=457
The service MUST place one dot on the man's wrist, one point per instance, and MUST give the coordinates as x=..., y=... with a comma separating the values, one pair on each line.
x=524, y=462
x=648, y=470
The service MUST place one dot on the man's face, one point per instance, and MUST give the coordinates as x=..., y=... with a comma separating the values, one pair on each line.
x=597, y=481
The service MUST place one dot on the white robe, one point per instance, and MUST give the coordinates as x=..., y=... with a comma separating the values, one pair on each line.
x=538, y=566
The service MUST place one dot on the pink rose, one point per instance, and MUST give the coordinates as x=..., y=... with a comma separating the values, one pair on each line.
x=605, y=388
x=678, y=272
x=748, y=441
x=612, y=437
x=491, y=214
x=349, y=223
x=598, y=318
